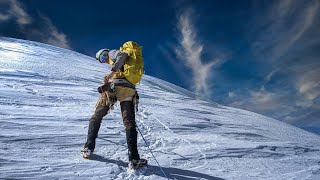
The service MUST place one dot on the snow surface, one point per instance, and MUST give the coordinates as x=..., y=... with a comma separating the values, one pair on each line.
x=48, y=94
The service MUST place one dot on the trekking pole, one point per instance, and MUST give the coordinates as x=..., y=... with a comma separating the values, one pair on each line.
x=152, y=153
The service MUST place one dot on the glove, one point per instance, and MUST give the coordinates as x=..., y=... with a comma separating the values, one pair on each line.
x=106, y=87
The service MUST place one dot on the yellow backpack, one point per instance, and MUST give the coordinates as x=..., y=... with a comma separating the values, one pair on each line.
x=133, y=66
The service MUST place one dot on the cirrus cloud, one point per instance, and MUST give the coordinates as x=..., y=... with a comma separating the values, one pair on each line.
x=190, y=53
x=47, y=32
x=285, y=41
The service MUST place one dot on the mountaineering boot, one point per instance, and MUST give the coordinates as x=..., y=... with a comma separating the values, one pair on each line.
x=136, y=164
x=86, y=153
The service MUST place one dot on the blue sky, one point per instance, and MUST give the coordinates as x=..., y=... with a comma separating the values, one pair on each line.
x=259, y=55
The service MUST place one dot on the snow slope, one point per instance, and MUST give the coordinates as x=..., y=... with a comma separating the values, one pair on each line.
x=47, y=95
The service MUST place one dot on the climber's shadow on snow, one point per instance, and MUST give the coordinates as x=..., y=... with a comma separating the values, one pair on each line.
x=172, y=173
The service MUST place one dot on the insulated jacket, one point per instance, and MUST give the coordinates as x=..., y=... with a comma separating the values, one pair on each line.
x=118, y=58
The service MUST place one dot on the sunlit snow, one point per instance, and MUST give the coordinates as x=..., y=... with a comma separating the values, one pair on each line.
x=47, y=95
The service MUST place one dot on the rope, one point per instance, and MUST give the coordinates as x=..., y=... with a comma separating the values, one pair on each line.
x=152, y=153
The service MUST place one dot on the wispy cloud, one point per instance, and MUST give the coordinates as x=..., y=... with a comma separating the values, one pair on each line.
x=286, y=22
x=276, y=105
x=270, y=75
x=15, y=12
x=190, y=52
x=55, y=37
x=285, y=41
x=289, y=22
x=308, y=82
x=4, y=17
x=255, y=100
x=304, y=20
x=46, y=33
x=292, y=22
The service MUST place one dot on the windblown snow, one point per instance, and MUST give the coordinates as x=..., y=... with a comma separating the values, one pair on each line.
x=48, y=94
